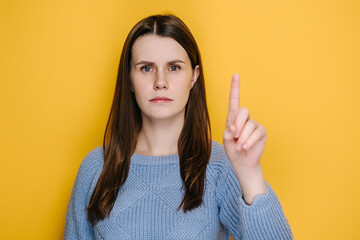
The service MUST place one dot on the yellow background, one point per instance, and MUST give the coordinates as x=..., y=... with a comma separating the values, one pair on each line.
x=299, y=63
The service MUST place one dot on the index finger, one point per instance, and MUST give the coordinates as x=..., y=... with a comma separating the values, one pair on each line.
x=234, y=98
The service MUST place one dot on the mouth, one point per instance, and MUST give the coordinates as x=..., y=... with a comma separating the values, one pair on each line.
x=160, y=99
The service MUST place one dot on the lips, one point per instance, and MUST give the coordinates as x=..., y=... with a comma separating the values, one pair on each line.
x=160, y=99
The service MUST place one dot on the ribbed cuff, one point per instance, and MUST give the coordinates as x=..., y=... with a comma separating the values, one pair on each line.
x=264, y=218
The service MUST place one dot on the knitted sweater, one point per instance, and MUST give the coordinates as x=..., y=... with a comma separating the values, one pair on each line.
x=146, y=206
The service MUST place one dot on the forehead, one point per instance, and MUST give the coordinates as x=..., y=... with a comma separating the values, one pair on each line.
x=157, y=49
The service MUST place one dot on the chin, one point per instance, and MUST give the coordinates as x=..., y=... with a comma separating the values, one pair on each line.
x=164, y=115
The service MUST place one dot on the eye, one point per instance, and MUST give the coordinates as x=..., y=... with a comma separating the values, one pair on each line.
x=146, y=68
x=174, y=68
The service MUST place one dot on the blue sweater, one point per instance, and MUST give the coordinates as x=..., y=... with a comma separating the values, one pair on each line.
x=146, y=207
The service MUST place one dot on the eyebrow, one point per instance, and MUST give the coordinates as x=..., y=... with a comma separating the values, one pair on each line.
x=169, y=63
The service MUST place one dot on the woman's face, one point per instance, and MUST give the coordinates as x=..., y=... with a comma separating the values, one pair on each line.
x=161, y=77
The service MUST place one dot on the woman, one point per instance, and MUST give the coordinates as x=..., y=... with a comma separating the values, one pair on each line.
x=158, y=175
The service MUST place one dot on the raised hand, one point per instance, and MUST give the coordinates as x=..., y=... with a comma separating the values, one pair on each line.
x=244, y=142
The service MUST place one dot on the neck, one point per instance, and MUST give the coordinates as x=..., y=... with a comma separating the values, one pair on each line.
x=159, y=137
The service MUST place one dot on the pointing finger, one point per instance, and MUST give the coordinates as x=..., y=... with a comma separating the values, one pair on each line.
x=234, y=98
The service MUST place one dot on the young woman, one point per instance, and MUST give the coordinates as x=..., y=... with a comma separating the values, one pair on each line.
x=158, y=174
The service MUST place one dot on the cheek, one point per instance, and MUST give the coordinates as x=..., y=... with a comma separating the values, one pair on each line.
x=136, y=84
x=184, y=92
x=138, y=92
x=184, y=81
x=185, y=87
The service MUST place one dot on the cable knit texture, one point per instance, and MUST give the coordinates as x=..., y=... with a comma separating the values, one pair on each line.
x=146, y=207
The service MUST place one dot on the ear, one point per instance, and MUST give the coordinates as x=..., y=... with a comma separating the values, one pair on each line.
x=195, y=76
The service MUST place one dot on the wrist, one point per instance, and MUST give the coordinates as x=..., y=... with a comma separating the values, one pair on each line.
x=252, y=182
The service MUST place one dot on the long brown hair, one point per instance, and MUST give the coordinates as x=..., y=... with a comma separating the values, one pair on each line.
x=124, y=124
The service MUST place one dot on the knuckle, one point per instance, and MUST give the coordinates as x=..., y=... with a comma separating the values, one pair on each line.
x=251, y=140
x=251, y=124
x=244, y=111
x=262, y=128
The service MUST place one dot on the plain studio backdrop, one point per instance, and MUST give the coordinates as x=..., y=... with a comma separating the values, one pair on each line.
x=299, y=64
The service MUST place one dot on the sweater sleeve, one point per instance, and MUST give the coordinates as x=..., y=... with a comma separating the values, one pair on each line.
x=264, y=219
x=77, y=225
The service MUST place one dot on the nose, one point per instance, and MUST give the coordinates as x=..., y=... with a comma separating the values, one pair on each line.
x=161, y=82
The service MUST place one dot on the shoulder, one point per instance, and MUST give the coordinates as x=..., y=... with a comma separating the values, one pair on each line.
x=94, y=160
x=89, y=170
x=218, y=157
x=76, y=224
